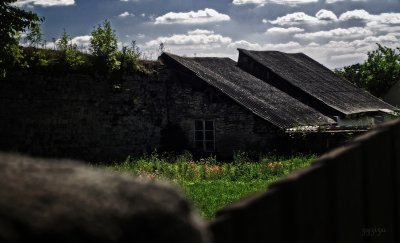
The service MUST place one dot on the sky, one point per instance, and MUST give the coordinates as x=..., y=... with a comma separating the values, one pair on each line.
x=336, y=33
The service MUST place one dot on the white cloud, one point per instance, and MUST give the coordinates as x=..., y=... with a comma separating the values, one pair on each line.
x=341, y=53
x=358, y=14
x=45, y=3
x=192, y=40
x=255, y=2
x=83, y=42
x=281, y=2
x=287, y=47
x=339, y=33
x=282, y=46
x=298, y=18
x=335, y=1
x=278, y=30
x=381, y=23
x=245, y=45
x=200, y=17
x=292, y=2
x=387, y=39
x=388, y=18
x=200, y=32
x=370, y=19
x=126, y=14
x=347, y=59
x=294, y=19
x=326, y=15
x=347, y=56
x=313, y=44
x=385, y=22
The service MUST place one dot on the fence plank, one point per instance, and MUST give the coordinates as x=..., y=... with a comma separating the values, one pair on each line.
x=258, y=218
x=221, y=229
x=311, y=199
x=347, y=207
x=378, y=186
x=287, y=186
x=305, y=205
x=395, y=131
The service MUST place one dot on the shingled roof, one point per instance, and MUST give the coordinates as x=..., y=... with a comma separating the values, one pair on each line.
x=252, y=93
x=304, y=73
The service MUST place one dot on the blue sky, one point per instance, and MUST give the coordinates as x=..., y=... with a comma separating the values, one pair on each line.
x=334, y=32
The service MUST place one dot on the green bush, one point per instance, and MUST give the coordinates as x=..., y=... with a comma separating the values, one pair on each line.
x=104, y=48
x=378, y=73
x=34, y=58
x=129, y=58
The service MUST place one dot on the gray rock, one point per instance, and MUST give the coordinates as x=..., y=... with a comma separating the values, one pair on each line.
x=64, y=201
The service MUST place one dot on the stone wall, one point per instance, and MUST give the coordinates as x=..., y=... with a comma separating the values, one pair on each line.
x=81, y=116
x=97, y=119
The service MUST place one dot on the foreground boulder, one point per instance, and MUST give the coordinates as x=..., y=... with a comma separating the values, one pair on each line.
x=62, y=201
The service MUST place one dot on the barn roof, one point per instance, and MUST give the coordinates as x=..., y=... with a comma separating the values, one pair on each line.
x=318, y=81
x=252, y=93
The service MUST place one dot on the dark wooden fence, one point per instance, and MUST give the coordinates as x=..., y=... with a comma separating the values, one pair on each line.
x=348, y=195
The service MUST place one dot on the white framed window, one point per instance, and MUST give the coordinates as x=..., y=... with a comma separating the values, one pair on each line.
x=204, y=135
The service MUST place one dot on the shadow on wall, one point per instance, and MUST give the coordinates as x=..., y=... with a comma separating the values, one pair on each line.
x=173, y=139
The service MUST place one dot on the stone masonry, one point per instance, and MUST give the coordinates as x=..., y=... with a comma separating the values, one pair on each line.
x=92, y=118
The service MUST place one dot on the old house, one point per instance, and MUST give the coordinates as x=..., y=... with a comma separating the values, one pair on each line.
x=223, y=109
x=257, y=103
x=315, y=85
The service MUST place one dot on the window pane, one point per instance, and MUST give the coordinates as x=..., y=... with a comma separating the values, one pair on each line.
x=198, y=125
x=198, y=136
x=209, y=125
x=210, y=135
x=199, y=145
x=210, y=146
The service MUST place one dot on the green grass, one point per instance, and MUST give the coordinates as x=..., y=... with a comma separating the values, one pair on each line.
x=210, y=196
x=211, y=185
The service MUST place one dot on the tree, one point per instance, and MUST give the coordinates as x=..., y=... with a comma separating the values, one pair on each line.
x=129, y=58
x=70, y=55
x=35, y=36
x=103, y=46
x=378, y=73
x=62, y=43
x=13, y=21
